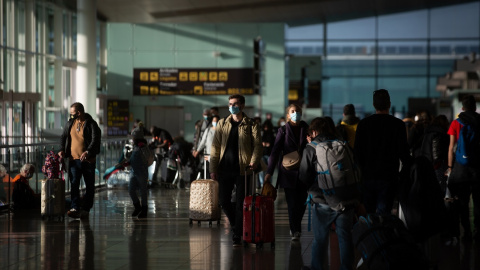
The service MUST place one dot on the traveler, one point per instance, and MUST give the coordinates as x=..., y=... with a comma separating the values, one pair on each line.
x=380, y=145
x=348, y=125
x=161, y=142
x=290, y=138
x=80, y=144
x=207, y=139
x=465, y=174
x=23, y=196
x=323, y=216
x=139, y=173
x=236, y=145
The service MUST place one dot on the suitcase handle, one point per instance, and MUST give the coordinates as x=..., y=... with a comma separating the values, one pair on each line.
x=246, y=179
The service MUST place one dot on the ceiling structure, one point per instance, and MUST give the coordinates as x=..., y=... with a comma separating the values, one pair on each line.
x=292, y=12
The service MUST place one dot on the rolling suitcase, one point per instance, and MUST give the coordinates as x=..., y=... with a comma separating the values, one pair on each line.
x=258, y=218
x=204, y=201
x=53, y=198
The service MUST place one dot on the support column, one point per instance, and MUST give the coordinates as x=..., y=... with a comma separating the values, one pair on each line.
x=86, y=79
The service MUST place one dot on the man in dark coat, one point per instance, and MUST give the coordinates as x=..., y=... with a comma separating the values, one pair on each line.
x=80, y=143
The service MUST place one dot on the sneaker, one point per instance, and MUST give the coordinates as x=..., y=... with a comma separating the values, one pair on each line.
x=73, y=213
x=237, y=241
x=296, y=236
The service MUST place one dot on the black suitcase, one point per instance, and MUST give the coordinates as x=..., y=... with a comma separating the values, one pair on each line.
x=385, y=244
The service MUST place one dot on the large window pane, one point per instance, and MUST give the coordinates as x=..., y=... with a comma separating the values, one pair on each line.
x=314, y=31
x=404, y=25
x=402, y=68
x=402, y=88
x=457, y=21
x=314, y=47
x=353, y=29
x=347, y=68
x=337, y=92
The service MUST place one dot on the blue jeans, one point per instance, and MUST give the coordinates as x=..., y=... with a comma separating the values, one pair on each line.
x=76, y=171
x=322, y=218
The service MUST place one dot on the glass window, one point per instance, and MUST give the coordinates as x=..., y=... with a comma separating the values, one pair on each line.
x=336, y=92
x=403, y=25
x=459, y=21
x=50, y=30
x=314, y=31
x=353, y=29
x=347, y=68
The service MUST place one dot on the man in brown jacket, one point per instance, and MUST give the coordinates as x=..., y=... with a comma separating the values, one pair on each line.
x=237, y=144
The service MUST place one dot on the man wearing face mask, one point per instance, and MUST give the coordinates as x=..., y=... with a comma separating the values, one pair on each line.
x=237, y=144
x=80, y=143
x=23, y=196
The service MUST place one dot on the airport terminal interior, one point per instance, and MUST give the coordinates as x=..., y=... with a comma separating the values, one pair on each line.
x=163, y=62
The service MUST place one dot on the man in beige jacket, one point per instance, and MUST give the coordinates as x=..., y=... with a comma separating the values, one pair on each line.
x=237, y=144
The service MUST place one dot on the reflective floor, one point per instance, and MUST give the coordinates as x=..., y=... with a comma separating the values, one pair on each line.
x=111, y=239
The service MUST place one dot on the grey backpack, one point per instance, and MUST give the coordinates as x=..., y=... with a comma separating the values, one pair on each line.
x=338, y=177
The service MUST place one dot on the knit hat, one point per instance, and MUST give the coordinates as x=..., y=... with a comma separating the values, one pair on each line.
x=137, y=133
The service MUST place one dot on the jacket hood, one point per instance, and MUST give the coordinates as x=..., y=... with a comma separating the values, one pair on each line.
x=471, y=118
x=350, y=119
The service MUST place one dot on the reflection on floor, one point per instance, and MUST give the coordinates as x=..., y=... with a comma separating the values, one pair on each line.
x=111, y=239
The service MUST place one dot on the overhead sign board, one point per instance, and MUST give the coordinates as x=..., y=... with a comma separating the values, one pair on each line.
x=191, y=81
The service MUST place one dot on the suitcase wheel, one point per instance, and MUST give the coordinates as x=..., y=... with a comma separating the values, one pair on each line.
x=218, y=222
x=272, y=245
x=210, y=223
x=199, y=223
x=259, y=245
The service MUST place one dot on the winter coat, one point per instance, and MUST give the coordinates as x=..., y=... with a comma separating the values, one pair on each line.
x=249, y=143
x=91, y=135
x=285, y=143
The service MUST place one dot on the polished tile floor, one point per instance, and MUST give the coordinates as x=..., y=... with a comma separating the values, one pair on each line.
x=111, y=239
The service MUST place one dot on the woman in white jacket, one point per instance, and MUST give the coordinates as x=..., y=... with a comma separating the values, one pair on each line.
x=207, y=138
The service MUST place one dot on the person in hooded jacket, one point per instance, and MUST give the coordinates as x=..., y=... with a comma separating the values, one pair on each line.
x=291, y=137
x=348, y=125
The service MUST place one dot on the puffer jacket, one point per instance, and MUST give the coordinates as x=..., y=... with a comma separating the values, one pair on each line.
x=249, y=143
x=91, y=134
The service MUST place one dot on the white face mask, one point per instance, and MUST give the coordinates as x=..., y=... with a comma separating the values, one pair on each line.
x=214, y=124
x=282, y=123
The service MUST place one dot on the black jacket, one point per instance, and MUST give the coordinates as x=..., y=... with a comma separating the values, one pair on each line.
x=91, y=134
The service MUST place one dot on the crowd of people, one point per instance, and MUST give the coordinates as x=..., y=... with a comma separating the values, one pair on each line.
x=382, y=149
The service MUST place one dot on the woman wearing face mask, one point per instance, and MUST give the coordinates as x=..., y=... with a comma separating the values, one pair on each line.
x=23, y=196
x=291, y=137
x=206, y=142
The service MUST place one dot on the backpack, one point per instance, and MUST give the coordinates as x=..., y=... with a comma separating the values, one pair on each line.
x=468, y=144
x=338, y=177
x=148, y=156
x=51, y=167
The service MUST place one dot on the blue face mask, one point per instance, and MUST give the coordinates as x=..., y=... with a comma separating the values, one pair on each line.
x=205, y=117
x=296, y=116
x=234, y=109
x=214, y=124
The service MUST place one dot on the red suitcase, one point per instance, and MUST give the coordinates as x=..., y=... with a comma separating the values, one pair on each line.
x=258, y=219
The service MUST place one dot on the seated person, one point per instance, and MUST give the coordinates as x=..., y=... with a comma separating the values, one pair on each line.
x=4, y=180
x=23, y=196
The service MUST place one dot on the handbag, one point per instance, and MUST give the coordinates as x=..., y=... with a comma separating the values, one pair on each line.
x=291, y=160
x=269, y=190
